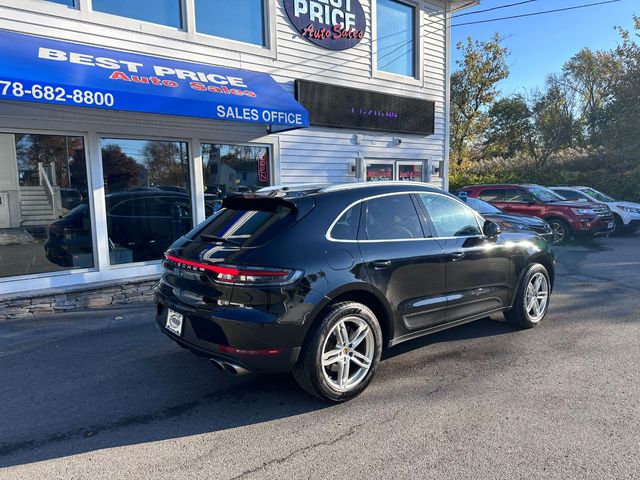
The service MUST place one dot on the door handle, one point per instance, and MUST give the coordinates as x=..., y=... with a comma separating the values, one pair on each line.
x=456, y=256
x=380, y=264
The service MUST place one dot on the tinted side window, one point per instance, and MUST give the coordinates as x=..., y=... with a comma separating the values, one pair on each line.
x=346, y=228
x=450, y=217
x=492, y=195
x=517, y=195
x=392, y=218
x=569, y=194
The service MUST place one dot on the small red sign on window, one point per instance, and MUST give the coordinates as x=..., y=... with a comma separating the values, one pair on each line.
x=263, y=168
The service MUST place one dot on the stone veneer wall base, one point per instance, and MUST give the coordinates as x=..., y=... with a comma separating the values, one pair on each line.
x=97, y=295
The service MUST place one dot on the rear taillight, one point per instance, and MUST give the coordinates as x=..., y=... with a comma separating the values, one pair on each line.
x=269, y=352
x=241, y=275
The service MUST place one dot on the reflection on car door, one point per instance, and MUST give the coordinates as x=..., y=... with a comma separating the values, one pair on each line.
x=403, y=261
x=477, y=268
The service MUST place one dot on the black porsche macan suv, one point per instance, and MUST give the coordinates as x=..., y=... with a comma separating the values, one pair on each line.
x=319, y=280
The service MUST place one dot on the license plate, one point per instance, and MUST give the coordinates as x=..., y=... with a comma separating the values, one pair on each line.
x=175, y=321
x=610, y=226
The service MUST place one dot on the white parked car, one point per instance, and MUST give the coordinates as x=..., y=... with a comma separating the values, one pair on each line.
x=626, y=214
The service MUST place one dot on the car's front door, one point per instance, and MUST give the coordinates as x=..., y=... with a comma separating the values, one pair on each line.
x=477, y=267
x=403, y=261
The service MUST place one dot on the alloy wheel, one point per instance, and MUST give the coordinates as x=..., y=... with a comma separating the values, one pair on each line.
x=347, y=353
x=537, y=297
x=559, y=232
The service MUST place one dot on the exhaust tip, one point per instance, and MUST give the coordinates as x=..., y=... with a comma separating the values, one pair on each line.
x=228, y=367
x=216, y=364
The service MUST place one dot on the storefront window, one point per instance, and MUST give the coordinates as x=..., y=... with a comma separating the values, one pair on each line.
x=244, y=22
x=164, y=12
x=396, y=37
x=380, y=172
x=148, y=197
x=410, y=172
x=229, y=169
x=45, y=219
x=68, y=3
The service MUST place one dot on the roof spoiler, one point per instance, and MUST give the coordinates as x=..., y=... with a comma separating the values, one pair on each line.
x=258, y=202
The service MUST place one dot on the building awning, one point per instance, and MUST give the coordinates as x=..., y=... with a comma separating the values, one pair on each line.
x=37, y=69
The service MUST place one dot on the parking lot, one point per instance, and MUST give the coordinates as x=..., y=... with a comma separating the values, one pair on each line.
x=105, y=395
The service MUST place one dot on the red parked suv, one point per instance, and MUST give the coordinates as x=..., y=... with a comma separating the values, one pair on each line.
x=566, y=218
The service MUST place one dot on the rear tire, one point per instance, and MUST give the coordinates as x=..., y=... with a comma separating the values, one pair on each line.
x=341, y=355
x=561, y=231
x=532, y=299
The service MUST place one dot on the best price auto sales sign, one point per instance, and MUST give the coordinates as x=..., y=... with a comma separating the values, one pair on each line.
x=331, y=24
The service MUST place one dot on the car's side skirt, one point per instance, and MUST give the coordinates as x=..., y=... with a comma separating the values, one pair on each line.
x=444, y=326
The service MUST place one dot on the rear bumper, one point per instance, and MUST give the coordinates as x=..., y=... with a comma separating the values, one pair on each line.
x=204, y=334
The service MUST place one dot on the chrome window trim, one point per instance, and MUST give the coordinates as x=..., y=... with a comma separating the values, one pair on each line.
x=413, y=192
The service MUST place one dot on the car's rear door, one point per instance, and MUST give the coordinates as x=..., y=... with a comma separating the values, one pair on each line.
x=477, y=267
x=519, y=200
x=403, y=261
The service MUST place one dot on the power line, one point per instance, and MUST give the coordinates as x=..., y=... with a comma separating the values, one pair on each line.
x=499, y=7
x=504, y=18
x=536, y=13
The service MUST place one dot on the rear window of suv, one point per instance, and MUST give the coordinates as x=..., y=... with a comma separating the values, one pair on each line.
x=255, y=224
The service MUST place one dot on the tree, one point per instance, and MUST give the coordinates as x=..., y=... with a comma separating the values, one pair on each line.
x=621, y=123
x=121, y=172
x=592, y=76
x=473, y=91
x=511, y=130
x=555, y=124
x=167, y=164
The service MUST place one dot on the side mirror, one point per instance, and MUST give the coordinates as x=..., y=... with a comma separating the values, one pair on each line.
x=490, y=229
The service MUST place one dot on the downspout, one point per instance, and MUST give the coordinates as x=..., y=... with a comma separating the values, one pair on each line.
x=447, y=93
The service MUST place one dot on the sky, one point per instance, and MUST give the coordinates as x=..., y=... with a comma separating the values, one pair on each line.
x=541, y=44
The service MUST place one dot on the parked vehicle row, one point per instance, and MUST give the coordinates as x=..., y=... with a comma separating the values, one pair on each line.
x=626, y=214
x=571, y=212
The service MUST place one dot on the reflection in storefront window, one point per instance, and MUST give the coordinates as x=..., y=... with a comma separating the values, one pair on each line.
x=380, y=172
x=164, y=12
x=69, y=3
x=244, y=22
x=44, y=211
x=229, y=169
x=148, y=199
x=410, y=173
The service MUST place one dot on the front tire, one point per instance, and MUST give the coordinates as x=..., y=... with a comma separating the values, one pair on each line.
x=341, y=356
x=561, y=231
x=619, y=228
x=532, y=299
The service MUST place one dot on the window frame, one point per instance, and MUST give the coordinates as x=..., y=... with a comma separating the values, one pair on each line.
x=427, y=230
x=90, y=196
x=192, y=193
x=362, y=230
x=475, y=215
x=501, y=190
x=523, y=192
x=84, y=12
x=266, y=26
x=418, y=61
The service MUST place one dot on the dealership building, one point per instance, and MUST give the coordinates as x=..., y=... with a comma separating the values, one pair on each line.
x=123, y=123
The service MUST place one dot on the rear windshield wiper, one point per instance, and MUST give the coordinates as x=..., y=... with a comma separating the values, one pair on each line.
x=214, y=238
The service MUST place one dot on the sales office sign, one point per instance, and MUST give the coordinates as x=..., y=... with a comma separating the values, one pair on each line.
x=331, y=24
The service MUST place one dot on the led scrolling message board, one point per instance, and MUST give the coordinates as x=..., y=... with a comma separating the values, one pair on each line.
x=343, y=107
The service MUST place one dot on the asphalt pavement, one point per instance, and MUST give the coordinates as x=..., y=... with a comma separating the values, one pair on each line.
x=104, y=395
